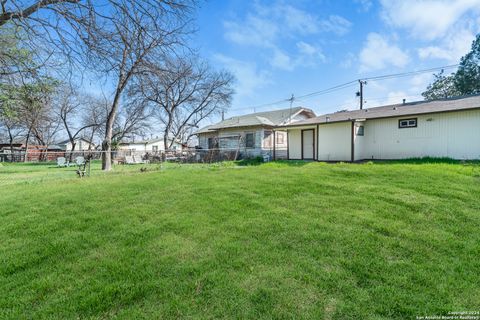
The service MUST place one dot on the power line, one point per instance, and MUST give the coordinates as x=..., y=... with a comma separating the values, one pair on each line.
x=411, y=73
x=348, y=85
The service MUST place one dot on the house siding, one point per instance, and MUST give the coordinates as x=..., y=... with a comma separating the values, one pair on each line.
x=80, y=145
x=452, y=134
x=229, y=139
x=147, y=147
x=334, y=141
x=295, y=144
x=447, y=134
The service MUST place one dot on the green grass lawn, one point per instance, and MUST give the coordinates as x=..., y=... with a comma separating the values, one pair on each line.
x=273, y=241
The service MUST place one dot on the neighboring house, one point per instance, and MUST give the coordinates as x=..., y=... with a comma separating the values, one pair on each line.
x=438, y=128
x=252, y=134
x=81, y=144
x=148, y=146
x=16, y=152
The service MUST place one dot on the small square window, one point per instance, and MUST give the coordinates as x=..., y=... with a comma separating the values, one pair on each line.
x=407, y=123
x=361, y=131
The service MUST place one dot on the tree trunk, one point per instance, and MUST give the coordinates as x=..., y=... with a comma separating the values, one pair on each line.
x=107, y=142
x=10, y=137
x=26, y=145
x=107, y=154
x=165, y=141
x=72, y=150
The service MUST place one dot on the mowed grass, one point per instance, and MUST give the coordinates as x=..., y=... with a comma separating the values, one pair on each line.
x=273, y=241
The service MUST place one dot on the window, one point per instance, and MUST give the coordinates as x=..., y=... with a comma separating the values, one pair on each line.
x=267, y=139
x=407, y=123
x=250, y=140
x=360, y=131
x=212, y=143
x=155, y=148
x=280, y=138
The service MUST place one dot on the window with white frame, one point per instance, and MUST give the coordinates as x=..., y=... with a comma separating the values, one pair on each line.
x=267, y=139
x=407, y=123
x=280, y=137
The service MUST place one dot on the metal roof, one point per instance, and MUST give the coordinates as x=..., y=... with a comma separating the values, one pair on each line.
x=268, y=119
x=397, y=110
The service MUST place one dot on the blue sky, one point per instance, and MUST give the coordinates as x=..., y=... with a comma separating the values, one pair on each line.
x=277, y=48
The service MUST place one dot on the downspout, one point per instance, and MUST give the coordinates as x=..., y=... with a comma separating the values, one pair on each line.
x=317, y=138
x=288, y=147
x=274, y=142
x=353, y=142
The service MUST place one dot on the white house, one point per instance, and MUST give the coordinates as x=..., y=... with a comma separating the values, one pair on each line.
x=438, y=128
x=81, y=144
x=148, y=146
x=252, y=134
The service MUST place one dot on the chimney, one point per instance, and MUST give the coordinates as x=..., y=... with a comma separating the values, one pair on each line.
x=404, y=100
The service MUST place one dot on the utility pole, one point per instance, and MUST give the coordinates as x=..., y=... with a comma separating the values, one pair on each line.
x=223, y=114
x=360, y=92
x=292, y=98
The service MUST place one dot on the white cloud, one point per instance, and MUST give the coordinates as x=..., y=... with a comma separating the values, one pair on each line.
x=281, y=60
x=420, y=82
x=348, y=61
x=297, y=20
x=395, y=97
x=378, y=54
x=249, y=78
x=426, y=19
x=306, y=48
x=455, y=45
x=310, y=52
x=365, y=5
x=307, y=55
x=336, y=24
x=253, y=31
x=279, y=26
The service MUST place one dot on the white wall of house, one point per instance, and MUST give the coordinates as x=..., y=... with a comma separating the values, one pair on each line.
x=295, y=144
x=334, y=141
x=80, y=145
x=148, y=147
x=451, y=134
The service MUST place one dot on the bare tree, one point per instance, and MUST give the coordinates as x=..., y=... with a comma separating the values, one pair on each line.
x=19, y=10
x=71, y=110
x=94, y=112
x=115, y=37
x=184, y=92
x=139, y=31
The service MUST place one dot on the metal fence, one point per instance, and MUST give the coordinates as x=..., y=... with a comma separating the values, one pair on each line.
x=135, y=156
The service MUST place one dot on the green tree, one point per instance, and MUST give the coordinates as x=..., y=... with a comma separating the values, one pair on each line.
x=467, y=78
x=443, y=87
x=463, y=82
